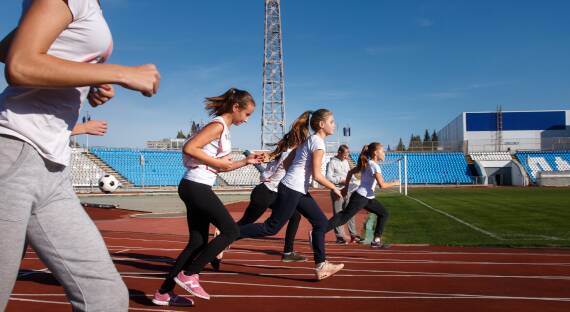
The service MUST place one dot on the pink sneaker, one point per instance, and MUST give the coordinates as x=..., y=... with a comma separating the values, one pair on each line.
x=191, y=283
x=171, y=299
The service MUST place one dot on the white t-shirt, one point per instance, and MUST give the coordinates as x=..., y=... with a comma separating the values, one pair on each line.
x=274, y=172
x=298, y=176
x=199, y=172
x=44, y=118
x=368, y=180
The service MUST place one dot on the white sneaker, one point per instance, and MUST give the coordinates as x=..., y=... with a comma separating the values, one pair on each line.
x=327, y=270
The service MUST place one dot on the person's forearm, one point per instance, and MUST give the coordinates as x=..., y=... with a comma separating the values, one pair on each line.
x=322, y=180
x=200, y=155
x=236, y=165
x=78, y=129
x=49, y=71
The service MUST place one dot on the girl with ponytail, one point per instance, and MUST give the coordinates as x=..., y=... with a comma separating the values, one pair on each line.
x=264, y=194
x=364, y=197
x=204, y=155
x=292, y=193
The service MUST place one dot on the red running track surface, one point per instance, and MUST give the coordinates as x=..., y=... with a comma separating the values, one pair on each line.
x=402, y=278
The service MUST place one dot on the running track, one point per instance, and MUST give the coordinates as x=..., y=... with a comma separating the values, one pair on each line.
x=402, y=278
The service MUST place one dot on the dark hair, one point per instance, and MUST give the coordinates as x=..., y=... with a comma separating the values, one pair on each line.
x=366, y=154
x=299, y=132
x=221, y=104
x=342, y=148
x=318, y=116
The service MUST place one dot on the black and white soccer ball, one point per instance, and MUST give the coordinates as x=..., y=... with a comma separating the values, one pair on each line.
x=108, y=184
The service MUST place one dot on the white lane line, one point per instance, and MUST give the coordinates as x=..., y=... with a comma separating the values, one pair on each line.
x=363, y=249
x=437, y=295
x=480, y=230
x=309, y=297
x=364, y=273
x=357, y=261
x=416, y=273
x=400, y=261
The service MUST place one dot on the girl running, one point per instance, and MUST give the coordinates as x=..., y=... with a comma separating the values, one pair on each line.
x=301, y=165
x=264, y=194
x=364, y=196
x=205, y=154
x=53, y=64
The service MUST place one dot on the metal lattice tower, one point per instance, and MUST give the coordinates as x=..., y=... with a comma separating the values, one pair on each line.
x=499, y=133
x=273, y=110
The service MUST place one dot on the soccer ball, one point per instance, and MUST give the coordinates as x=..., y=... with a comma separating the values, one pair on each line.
x=108, y=184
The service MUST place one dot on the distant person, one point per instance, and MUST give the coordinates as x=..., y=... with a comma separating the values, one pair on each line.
x=337, y=169
x=204, y=155
x=364, y=196
x=293, y=193
x=53, y=63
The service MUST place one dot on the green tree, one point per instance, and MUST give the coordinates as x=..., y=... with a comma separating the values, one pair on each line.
x=180, y=135
x=400, y=147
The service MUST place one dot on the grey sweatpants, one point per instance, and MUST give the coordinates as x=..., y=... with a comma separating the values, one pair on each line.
x=37, y=200
x=338, y=206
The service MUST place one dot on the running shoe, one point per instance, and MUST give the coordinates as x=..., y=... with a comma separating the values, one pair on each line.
x=171, y=299
x=327, y=269
x=293, y=257
x=191, y=283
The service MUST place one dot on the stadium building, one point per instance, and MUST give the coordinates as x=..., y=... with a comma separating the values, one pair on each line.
x=509, y=147
x=503, y=131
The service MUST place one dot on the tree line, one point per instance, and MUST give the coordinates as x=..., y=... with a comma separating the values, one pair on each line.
x=429, y=143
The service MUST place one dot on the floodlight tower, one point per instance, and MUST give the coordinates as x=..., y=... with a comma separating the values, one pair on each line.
x=273, y=109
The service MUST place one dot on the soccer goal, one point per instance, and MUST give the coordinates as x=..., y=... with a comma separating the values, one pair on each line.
x=396, y=168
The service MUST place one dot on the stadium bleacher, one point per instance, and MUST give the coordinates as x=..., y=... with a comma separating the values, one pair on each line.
x=244, y=176
x=428, y=168
x=535, y=162
x=160, y=167
x=164, y=167
x=84, y=172
x=491, y=156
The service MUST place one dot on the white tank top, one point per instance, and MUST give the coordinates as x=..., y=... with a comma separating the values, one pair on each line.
x=199, y=172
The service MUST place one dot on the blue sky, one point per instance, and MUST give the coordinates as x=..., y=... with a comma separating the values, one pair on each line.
x=386, y=68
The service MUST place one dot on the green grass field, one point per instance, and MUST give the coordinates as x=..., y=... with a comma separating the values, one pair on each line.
x=480, y=216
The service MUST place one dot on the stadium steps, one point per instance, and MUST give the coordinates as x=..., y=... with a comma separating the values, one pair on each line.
x=124, y=182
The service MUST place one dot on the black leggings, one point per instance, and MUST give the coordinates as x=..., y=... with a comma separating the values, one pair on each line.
x=202, y=208
x=261, y=198
x=354, y=205
x=288, y=201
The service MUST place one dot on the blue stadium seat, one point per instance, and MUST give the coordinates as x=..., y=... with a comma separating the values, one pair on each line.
x=428, y=168
x=161, y=168
x=535, y=162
